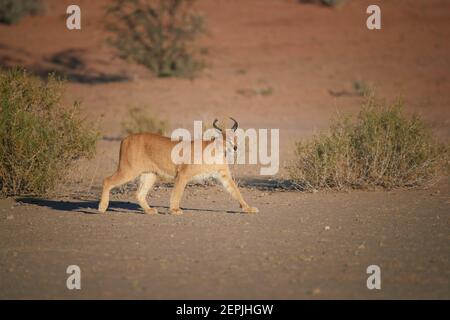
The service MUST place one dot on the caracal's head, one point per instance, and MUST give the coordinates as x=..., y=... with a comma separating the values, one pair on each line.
x=229, y=136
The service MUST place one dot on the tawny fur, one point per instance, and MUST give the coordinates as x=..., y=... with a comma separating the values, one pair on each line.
x=148, y=156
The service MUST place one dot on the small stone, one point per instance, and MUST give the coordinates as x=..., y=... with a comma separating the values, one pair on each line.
x=327, y=228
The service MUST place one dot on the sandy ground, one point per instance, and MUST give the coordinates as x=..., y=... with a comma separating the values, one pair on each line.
x=309, y=57
x=298, y=246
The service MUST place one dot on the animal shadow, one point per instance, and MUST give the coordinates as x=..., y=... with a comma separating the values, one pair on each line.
x=90, y=206
x=83, y=206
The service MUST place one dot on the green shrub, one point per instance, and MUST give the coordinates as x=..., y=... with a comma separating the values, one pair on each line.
x=140, y=121
x=12, y=11
x=39, y=137
x=382, y=148
x=159, y=34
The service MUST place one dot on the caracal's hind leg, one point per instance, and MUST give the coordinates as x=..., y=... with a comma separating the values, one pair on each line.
x=117, y=179
x=230, y=186
x=147, y=180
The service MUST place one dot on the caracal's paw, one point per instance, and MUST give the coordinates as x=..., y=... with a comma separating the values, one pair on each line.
x=102, y=208
x=151, y=211
x=176, y=212
x=250, y=210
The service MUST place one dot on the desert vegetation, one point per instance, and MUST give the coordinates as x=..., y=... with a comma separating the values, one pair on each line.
x=159, y=34
x=382, y=147
x=39, y=135
x=140, y=120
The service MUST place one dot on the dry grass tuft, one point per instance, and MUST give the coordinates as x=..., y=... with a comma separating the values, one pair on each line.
x=380, y=148
x=138, y=120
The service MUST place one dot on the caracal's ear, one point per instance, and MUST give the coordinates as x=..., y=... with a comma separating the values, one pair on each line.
x=218, y=129
x=235, y=125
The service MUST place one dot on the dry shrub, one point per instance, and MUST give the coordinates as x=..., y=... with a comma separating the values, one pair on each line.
x=138, y=120
x=159, y=34
x=382, y=148
x=39, y=137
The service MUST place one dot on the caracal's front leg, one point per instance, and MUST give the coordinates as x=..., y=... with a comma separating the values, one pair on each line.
x=230, y=186
x=177, y=194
